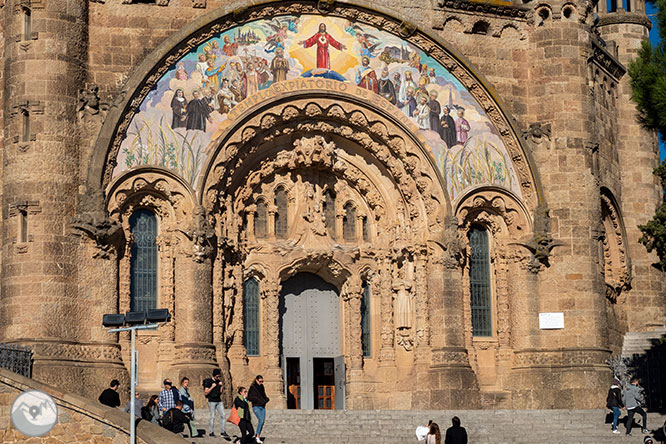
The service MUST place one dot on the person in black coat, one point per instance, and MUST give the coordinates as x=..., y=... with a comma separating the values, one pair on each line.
x=448, y=128
x=178, y=108
x=174, y=419
x=245, y=424
x=614, y=402
x=110, y=397
x=456, y=434
x=257, y=396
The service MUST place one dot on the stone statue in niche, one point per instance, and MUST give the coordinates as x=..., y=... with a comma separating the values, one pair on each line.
x=314, y=216
x=403, y=304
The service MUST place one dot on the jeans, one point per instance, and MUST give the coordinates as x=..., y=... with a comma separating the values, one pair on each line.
x=630, y=418
x=213, y=407
x=260, y=413
x=616, y=415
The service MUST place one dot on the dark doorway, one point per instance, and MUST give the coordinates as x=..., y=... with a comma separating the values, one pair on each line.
x=324, y=383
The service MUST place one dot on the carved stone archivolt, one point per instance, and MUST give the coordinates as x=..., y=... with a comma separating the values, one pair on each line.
x=616, y=263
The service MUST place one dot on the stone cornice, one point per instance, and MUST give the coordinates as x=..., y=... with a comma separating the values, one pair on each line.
x=504, y=10
x=622, y=17
x=604, y=59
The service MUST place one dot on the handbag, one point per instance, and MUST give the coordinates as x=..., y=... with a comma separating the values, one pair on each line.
x=233, y=416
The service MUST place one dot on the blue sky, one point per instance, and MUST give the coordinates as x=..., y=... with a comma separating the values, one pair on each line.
x=654, y=39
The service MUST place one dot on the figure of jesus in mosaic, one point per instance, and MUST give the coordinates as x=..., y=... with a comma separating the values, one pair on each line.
x=323, y=40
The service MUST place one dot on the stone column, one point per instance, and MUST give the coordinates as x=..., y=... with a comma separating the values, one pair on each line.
x=383, y=287
x=422, y=337
x=194, y=353
x=270, y=340
x=40, y=293
x=272, y=211
x=99, y=242
x=352, y=293
x=451, y=381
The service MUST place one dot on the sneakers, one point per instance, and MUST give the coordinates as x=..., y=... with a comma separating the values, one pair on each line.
x=259, y=441
x=645, y=431
x=225, y=436
x=616, y=431
x=211, y=434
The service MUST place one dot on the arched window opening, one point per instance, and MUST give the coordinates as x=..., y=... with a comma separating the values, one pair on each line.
x=365, y=228
x=329, y=213
x=260, y=221
x=251, y=316
x=143, y=261
x=479, y=281
x=27, y=23
x=25, y=126
x=365, y=320
x=282, y=214
x=349, y=223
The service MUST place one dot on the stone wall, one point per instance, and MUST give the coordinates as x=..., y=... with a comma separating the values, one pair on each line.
x=79, y=420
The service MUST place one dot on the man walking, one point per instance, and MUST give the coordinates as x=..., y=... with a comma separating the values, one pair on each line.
x=110, y=397
x=212, y=388
x=166, y=401
x=456, y=434
x=257, y=396
x=633, y=400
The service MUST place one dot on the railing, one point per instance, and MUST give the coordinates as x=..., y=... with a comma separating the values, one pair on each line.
x=17, y=359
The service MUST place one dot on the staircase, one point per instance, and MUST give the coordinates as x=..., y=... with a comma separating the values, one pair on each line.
x=639, y=342
x=397, y=427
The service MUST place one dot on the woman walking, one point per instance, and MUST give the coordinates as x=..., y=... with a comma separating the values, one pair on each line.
x=245, y=424
x=434, y=436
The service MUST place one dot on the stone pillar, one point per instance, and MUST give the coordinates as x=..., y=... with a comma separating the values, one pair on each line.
x=352, y=293
x=194, y=353
x=383, y=287
x=40, y=297
x=451, y=382
x=422, y=338
x=98, y=246
x=270, y=340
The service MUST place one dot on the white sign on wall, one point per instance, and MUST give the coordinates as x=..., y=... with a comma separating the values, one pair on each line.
x=551, y=321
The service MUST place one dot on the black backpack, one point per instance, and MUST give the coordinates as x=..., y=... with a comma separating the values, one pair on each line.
x=611, y=400
x=167, y=420
x=146, y=414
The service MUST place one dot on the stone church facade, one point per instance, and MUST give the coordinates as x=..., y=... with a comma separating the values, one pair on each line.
x=370, y=204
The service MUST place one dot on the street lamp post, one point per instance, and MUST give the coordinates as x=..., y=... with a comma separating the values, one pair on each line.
x=133, y=321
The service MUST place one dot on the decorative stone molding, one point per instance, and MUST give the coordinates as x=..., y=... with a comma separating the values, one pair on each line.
x=538, y=133
x=563, y=357
x=485, y=8
x=107, y=235
x=617, y=266
x=76, y=352
x=201, y=235
x=603, y=59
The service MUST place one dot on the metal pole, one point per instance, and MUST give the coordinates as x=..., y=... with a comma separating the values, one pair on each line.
x=132, y=388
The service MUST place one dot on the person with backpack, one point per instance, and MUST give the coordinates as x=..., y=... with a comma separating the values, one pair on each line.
x=174, y=419
x=633, y=399
x=212, y=390
x=245, y=423
x=614, y=402
x=150, y=411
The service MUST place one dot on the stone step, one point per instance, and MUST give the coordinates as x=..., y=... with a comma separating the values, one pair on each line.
x=638, y=342
x=397, y=427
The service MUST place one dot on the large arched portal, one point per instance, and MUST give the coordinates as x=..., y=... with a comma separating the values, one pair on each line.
x=311, y=345
x=341, y=159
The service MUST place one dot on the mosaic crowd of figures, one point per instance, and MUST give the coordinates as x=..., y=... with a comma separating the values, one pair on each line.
x=180, y=120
